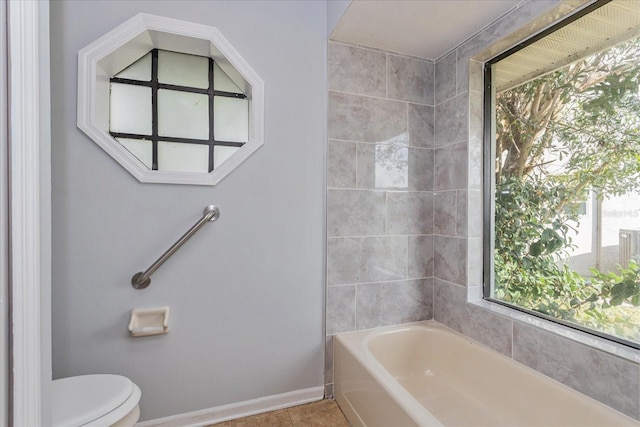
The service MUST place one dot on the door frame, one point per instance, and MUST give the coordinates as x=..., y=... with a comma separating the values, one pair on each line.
x=29, y=211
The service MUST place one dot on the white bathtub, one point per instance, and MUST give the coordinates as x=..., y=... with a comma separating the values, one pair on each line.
x=425, y=374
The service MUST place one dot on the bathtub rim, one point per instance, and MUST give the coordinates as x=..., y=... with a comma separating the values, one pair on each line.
x=356, y=342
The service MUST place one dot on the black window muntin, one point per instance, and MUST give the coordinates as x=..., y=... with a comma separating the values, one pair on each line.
x=154, y=84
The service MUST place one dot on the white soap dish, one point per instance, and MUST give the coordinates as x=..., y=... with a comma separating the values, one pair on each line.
x=149, y=321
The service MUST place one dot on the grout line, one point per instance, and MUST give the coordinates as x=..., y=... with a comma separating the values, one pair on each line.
x=386, y=76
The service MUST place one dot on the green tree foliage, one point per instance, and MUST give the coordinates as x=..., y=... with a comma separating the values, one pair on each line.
x=558, y=137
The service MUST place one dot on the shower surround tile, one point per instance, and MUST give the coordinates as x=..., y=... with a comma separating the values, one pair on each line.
x=341, y=164
x=355, y=70
x=364, y=119
x=421, y=126
x=604, y=377
x=341, y=309
x=410, y=79
x=366, y=259
x=392, y=303
x=445, y=213
x=450, y=170
x=409, y=213
x=445, y=85
x=383, y=166
x=421, y=169
x=450, y=259
x=420, y=257
x=355, y=212
x=451, y=309
x=452, y=120
x=381, y=177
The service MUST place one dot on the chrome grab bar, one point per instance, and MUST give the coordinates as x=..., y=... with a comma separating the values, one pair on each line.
x=141, y=280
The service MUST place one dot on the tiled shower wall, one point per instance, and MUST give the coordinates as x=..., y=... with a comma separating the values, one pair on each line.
x=410, y=251
x=380, y=200
x=601, y=375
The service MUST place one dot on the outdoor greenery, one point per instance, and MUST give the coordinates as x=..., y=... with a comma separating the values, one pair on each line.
x=559, y=137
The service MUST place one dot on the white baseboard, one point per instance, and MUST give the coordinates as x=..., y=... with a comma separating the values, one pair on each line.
x=238, y=410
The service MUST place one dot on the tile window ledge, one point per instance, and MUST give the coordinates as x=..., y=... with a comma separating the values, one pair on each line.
x=584, y=338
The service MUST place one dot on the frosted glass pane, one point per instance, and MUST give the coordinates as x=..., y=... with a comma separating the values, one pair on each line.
x=182, y=69
x=222, y=153
x=139, y=70
x=130, y=109
x=140, y=148
x=174, y=156
x=183, y=114
x=221, y=81
x=231, y=119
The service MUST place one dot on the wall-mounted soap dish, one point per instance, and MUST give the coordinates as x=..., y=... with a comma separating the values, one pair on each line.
x=149, y=321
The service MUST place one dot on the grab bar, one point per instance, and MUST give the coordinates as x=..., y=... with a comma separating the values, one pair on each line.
x=141, y=280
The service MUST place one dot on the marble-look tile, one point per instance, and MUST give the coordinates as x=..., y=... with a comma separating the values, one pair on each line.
x=355, y=213
x=356, y=70
x=476, y=139
x=450, y=259
x=341, y=309
x=476, y=73
x=451, y=309
x=420, y=257
x=409, y=213
x=421, y=126
x=474, y=213
x=475, y=267
x=366, y=259
x=383, y=166
x=364, y=119
x=490, y=329
x=341, y=164
x=449, y=304
x=446, y=77
x=606, y=378
x=392, y=303
x=421, y=169
x=444, y=213
x=461, y=213
x=451, y=167
x=410, y=79
x=452, y=120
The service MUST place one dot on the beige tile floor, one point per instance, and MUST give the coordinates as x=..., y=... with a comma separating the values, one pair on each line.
x=324, y=413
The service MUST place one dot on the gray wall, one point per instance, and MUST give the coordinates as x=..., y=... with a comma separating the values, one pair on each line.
x=380, y=190
x=246, y=293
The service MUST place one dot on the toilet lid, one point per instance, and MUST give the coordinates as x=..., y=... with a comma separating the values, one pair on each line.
x=80, y=400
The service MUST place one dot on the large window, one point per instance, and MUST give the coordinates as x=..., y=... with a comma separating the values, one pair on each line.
x=563, y=173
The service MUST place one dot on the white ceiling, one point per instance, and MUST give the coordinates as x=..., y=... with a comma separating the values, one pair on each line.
x=423, y=28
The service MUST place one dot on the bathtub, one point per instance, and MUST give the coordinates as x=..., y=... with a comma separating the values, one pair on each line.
x=425, y=374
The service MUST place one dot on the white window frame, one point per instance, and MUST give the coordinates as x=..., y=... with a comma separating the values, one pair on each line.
x=124, y=45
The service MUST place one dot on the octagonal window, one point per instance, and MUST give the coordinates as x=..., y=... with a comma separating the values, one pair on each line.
x=171, y=101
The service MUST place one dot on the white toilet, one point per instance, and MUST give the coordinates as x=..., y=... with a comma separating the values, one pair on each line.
x=95, y=400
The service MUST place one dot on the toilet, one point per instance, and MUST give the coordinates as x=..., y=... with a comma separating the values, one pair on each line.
x=95, y=400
